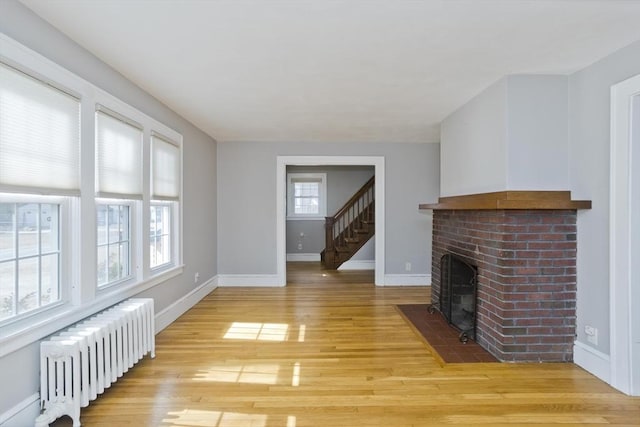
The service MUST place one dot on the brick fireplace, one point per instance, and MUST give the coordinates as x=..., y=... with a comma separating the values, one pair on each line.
x=523, y=244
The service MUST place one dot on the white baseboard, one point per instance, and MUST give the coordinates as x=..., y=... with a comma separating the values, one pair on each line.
x=354, y=264
x=592, y=361
x=407, y=280
x=250, y=280
x=295, y=257
x=167, y=316
x=22, y=414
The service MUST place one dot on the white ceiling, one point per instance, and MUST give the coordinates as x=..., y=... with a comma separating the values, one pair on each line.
x=336, y=70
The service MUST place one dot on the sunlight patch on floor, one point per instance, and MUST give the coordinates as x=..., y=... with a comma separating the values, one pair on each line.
x=257, y=331
x=295, y=378
x=197, y=418
x=249, y=374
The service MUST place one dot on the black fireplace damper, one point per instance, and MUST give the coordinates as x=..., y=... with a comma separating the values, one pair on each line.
x=458, y=292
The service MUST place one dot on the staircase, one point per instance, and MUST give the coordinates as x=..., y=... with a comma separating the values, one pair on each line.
x=350, y=228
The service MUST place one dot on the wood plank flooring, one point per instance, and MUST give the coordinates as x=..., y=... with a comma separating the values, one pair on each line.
x=330, y=349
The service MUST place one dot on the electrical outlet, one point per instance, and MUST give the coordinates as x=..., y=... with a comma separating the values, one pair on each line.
x=592, y=334
x=196, y=277
x=407, y=266
x=299, y=246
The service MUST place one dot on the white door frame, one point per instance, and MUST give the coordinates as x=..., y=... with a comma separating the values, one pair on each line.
x=624, y=219
x=281, y=199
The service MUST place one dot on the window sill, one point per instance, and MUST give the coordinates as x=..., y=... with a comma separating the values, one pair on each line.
x=305, y=218
x=57, y=318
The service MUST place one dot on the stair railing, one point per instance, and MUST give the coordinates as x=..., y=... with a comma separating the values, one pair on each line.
x=344, y=225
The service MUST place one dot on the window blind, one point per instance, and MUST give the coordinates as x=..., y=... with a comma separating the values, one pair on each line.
x=39, y=136
x=118, y=157
x=165, y=166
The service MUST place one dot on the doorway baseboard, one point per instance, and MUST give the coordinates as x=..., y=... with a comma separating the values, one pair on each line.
x=358, y=264
x=298, y=257
x=407, y=280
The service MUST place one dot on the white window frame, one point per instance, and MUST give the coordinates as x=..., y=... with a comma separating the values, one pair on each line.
x=321, y=179
x=172, y=227
x=67, y=252
x=80, y=296
x=132, y=276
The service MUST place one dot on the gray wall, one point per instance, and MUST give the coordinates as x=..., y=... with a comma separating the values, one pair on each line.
x=589, y=145
x=342, y=183
x=474, y=144
x=247, y=201
x=537, y=133
x=20, y=369
x=512, y=136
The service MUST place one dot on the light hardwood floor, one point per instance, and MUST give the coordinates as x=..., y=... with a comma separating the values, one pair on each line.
x=330, y=349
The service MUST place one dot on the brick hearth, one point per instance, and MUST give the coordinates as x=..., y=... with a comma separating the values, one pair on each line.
x=526, y=259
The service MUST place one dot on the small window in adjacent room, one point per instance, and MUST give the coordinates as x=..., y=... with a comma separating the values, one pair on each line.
x=306, y=195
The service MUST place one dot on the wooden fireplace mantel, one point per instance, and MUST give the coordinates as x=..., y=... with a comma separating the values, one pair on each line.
x=509, y=200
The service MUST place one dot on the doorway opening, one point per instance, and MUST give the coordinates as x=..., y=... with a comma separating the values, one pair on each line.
x=281, y=194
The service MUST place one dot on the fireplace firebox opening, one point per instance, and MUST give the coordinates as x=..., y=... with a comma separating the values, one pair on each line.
x=458, y=294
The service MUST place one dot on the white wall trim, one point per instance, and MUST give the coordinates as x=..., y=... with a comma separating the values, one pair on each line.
x=592, y=360
x=281, y=196
x=620, y=244
x=23, y=413
x=169, y=315
x=355, y=264
x=407, y=280
x=297, y=257
x=250, y=280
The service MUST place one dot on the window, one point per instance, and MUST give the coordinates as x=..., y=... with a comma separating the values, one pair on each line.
x=165, y=193
x=118, y=176
x=29, y=257
x=114, y=243
x=49, y=275
x=160, y=235
x=306, y=195
x=39, y=154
